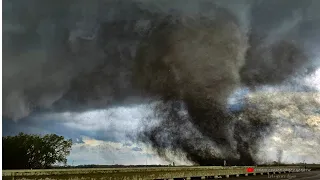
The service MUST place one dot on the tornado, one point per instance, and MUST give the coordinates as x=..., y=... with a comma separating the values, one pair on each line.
x=185, y=57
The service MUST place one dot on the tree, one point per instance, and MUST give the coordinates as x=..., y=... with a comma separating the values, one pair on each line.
x=26, y=151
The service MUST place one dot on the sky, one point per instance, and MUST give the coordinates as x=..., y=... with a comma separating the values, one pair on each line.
x=108, y=136
x=99, y=137
x=65, y=57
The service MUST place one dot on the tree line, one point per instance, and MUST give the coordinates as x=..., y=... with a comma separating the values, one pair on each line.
x=32, y=151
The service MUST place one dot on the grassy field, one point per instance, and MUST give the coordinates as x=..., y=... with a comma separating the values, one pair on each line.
x=134, y=173
x=314, y=166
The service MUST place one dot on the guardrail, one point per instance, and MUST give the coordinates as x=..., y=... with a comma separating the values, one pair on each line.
x=203, y=172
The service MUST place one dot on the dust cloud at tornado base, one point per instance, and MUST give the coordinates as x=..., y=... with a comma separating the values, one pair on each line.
x=187, y=56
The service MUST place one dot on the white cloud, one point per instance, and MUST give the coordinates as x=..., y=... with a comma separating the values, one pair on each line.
x=314, y=79
x=93, y=151
x=296, y=125
x=126, y=118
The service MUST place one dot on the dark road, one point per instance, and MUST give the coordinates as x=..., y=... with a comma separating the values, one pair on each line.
x=312, y=175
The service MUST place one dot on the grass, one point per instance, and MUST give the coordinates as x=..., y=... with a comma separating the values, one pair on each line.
x=131, y=173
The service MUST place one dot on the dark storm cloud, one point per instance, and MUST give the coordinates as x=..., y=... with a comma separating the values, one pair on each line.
x=80, y=54
x=188, y=55
x=47, y=125
x=31, y=126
